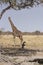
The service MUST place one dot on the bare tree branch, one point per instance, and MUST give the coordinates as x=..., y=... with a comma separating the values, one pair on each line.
x=19, y=4
x=3, y=11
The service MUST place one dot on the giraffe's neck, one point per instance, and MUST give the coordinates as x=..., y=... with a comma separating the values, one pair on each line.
x=12, y=25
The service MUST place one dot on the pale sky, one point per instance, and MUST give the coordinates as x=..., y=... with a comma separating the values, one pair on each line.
x=26, y=20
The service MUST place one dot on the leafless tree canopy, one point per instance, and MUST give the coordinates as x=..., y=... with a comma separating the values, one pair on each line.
x=19, y=4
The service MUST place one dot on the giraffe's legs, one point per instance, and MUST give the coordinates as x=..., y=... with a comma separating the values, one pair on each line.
x=14, y=40
x=21, y=40
x=22, y=43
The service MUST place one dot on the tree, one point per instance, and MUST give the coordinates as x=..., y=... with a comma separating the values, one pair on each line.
x=19, y=4
x=1, y=30
x=37, y=32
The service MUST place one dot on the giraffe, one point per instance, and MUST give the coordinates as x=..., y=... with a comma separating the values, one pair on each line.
x=16, y=32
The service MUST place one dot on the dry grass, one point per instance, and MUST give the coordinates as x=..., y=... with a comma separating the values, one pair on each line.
x=32, y=41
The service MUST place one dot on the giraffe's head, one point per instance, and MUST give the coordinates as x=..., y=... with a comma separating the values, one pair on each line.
x=0, y=16
x=9, y=18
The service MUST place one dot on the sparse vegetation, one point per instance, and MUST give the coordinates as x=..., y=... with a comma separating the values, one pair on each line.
x=32, y=41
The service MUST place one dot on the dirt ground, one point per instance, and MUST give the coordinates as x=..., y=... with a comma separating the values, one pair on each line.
x=20, y=60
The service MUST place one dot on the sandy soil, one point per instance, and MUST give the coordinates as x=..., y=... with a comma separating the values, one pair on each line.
x=19, y=60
